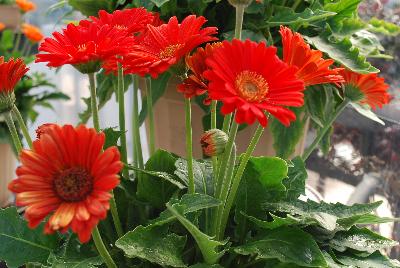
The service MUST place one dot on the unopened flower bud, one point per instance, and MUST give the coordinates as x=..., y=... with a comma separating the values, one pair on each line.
x=7, y=101
x=240, y=2
x=41, y=130
x=213, y=142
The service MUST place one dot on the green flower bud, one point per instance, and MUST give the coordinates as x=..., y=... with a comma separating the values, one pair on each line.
x=213, y=142
x=7, y=101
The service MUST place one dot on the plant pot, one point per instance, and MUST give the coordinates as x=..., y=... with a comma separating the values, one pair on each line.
x=7, y=169
x=10, y=16
x=169, y=116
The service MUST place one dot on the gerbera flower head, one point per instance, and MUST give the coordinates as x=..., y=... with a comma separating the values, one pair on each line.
x=25, y=5
x=83, y=47
x=130, y=21
x=68, y=178
x=161, y=47
x=366, y=89
x=195, y=84
x=32, y=33
x=312, y=68
x=11, y=72
x=249, y=78
x=2, y=26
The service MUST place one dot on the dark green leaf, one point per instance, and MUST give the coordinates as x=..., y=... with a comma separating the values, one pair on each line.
x=286, y=16
x=162, y=175
x=295, y=182
x=159, y=3
x=112, y=137
x=290, y=245
x=364, y=219
x=31, y=245
x=155, y=244
x=375, y=260
x=92, y=7
x=344, y=9
x=276, y=222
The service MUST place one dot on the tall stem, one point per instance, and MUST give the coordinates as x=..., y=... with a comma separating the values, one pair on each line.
x=239, y=21
x=96, y=123
x=150, y=113
x=135, y=124
x=101, y=248
x=13, y=131
x=228, y=202
x=214, y=126
x=93, y=101
x=189, y=144
x=324, y=130
x=122, y=127
x=22, y=125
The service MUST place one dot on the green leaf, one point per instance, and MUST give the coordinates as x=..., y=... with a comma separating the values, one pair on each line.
x=375, y=260
x=158, y=87
x=275, y=223
x=287, y=16
x=383, y=27
x=364, y=219
x=289, y=245
x=361, y=240
x=153, y=189
x=203, y=174
x=286, y=138
x=162, y=175
x=7, y=40
x=343, y=52
x=159, y=3
x=203, y=265
x=207, y=245
x=187, y=204
x=331, y=262
x=112, y=137
x=366, y=111
x=155, y=244
x=92, y=7
x=295, y=182
x=31, y=245
x=343, y=8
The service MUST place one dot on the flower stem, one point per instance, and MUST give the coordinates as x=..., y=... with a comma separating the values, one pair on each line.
x=115, y=216
x=227, y=123
x=189, y=144
x=296, y=4
x=22, y=125
x=122, y=127
x=13, y=131
x=101, y=248
x=93, y=101
x=325, y=129
x=135, y=123
x=150, y=113
x=239, y=21
x=228, y=202
x=214, y=126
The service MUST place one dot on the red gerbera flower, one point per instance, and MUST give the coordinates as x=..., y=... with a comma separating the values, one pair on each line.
x=83, y=47
x=67, y=177
x=196, y=84
x=131, y=20
x=250, y=79
x=367, y=89
x=163, y=46
x=313, y=69
x=11, y=73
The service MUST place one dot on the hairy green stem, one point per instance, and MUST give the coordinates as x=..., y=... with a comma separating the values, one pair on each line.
x=325, y=129
x=136, y=126
x=189, y=144
x=13, y=131
x=122, y=126
x=214, y=126
x=228, y=202
x=150, y=113
x=93, y=101
x=22, y=125
x=101, y=248
x=239, y=21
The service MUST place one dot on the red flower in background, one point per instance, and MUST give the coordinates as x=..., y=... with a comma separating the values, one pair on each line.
x=367, y=89
x=313, y=69
x=196, y=84
x=250, y=79
x=131, y=20
x=11, y=72
x=163, y=46
x=67, y=177
x=85, y=47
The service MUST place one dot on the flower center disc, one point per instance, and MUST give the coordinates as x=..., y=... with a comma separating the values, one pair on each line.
x=73, y=185
x=251, y=86
x=170, y=51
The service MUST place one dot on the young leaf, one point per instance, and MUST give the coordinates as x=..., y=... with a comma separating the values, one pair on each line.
x=295, y=182
x=364, y=219
x=32, y=245
x=112, y=137
x=155, y=244
x=367, y=112
x=383, y=27
x=286, y=16
x=275, y=223
x=207, y=245
x=343, y=8
x=289, y=245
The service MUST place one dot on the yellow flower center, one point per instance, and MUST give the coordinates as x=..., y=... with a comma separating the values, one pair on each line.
x=120, y=27
x=82, y=48
x=170, y=51
x=251, y=86
x=73, y=185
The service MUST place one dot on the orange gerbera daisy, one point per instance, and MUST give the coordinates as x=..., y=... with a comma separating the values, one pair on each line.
x=68, y=177
x=83, y=47
x=196, y=84
x=2, y=26
x=25, y=5
x=163, y=46
x=249, y=78
x=366, y=89
x=11, y=73
x=32, y=33
x=313, y=69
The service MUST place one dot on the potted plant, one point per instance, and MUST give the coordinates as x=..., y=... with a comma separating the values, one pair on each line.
x=229, y=209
